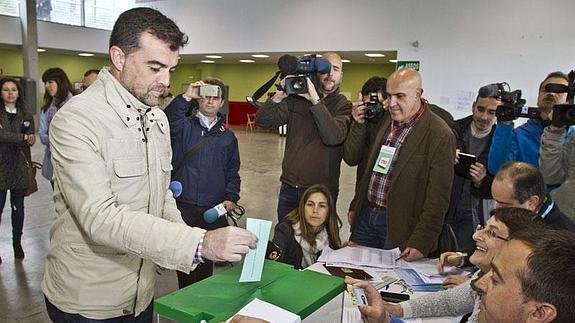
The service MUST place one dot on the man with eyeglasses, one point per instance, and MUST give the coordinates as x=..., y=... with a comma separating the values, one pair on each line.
x=520, y=184
x=206, y=160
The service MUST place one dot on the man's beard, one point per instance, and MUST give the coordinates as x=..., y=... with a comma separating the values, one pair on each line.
x=547, y=104
x=328, y=85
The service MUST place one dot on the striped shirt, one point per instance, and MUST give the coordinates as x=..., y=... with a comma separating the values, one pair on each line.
x=379, y=183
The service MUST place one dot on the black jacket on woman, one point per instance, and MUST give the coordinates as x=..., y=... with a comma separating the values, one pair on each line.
x=13, y=171
x=290, y=250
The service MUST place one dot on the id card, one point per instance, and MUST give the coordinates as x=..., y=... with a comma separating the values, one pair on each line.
x=384, y=159
x=358, y=297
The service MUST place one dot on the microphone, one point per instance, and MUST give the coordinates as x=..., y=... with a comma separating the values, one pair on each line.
x=176, y=188
x=213, y=214
x=287, y=64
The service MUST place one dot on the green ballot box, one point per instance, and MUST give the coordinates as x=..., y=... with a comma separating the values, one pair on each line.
x=217, y=298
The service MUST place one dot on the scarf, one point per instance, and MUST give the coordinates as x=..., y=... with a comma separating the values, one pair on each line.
x=310, y=252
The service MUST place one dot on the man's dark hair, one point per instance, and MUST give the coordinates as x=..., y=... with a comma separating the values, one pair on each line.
x=91, y=71
x=527, y=181
x=215, y=81
x=131, y=24
x=373, y=85
x=549, y=274
x=557, y=74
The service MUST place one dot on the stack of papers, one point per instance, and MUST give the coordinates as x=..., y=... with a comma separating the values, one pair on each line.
x=361, y=257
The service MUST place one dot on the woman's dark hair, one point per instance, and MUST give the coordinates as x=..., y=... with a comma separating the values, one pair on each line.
x=516, y=219
x=57, y=75
x=332, y=222
x=20, y=103
x=132, y=23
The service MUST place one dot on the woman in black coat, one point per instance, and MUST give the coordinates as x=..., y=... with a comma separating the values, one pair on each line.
x=307, y=230
x=16, y=137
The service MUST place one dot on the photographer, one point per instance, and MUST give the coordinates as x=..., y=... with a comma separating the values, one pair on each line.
x=522, y=143
x=557, y=163
x=317, y=126
x=206, y=161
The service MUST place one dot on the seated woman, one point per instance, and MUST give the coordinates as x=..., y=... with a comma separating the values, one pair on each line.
x=463, y=299
x=307, y=230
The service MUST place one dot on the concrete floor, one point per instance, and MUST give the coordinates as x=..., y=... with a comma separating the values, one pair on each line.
x=21, y=299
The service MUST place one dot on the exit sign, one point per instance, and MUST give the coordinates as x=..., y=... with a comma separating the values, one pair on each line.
x=407, y=64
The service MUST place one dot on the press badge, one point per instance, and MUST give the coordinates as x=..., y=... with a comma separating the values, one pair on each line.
x=384, y=159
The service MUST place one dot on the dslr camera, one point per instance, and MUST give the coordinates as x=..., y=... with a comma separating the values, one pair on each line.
x=294, y=70
x=513, y=106
x=373, y=108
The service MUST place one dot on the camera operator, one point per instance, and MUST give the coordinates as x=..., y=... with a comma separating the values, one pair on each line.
x=522, y=143
x=317, y=126
x=404, y=191
x=557, y=163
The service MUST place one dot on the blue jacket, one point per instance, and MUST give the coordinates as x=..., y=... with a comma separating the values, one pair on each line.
x=519, y=144
x=211, y=176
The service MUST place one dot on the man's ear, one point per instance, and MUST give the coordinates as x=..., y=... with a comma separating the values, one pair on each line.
x=542, y=313
x=533, y=203
x=118, y=58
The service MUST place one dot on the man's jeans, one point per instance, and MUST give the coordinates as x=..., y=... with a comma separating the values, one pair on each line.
x=370, y=230
x=289, y=199
x=58, y=316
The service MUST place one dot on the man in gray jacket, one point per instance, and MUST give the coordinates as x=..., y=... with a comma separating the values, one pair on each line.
x=116, y=218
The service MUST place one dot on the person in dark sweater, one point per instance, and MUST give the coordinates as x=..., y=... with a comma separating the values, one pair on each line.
x=307, y=230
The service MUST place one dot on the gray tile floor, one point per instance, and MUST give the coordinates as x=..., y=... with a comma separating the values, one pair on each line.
x=21, y=299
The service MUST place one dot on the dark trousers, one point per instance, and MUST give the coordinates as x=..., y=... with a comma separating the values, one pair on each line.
x=17, y=207
x=58, y=316
x=290, y=196
x=370, y=229
x=193, y=216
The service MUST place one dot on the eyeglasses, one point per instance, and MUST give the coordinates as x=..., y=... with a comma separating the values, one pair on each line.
x=489, y=232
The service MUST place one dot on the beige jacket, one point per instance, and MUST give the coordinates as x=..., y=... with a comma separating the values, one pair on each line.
x=116, y=218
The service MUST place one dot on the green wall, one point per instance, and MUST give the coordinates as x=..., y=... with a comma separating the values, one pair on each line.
x=243, y=79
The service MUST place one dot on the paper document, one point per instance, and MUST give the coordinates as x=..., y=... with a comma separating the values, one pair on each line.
x=363, y=256
x=269, y=312
x=254, y=262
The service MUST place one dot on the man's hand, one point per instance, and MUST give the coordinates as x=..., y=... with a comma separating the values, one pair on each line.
x=229, y=205
x=246, y=319
x=477, y=171
x=311, y=94
x=457, y=151
x=358, y=112
x=31, y=139
x=448, y=258
x=193, y=91
x=454, y=280
x=350, y=217
x=374, y=311
x=228, y=244
x=411, y=254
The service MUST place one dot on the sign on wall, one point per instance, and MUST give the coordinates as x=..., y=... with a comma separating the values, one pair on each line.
x=407, y=64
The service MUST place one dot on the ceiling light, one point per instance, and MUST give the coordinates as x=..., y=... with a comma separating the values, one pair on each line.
x=393, y=60
x=345, y=61
x=207, y=61
x=40, y=50
x=85, y=54
x=260, y=56
x=374, y=55
x=247, y=61
x=213, y=56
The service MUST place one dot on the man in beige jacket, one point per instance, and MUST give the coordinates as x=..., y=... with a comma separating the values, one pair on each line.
x=116, y=218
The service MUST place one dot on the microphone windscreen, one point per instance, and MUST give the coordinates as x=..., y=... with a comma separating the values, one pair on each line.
x=211, y=215
x=176, y=188
x=287, y=64
x=322, y=65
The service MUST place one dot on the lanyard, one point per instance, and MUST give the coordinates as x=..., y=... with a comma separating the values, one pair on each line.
x=392, y=132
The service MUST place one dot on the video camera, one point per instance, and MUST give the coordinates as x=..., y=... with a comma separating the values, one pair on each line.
x=294, y=70
x=564, y=114
x=373, y=108
x=513, y=106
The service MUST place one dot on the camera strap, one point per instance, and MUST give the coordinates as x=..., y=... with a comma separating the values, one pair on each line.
x=262, y=90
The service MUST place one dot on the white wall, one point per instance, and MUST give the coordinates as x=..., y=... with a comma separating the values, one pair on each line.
x=464, y=44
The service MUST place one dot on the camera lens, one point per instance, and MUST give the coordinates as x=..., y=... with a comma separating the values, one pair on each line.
x=299, y=84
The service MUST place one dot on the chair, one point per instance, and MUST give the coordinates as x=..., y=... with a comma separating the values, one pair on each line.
x=251, y=123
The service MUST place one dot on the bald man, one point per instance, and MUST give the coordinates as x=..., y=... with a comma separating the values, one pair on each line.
x=317, y=127
x=404, y=193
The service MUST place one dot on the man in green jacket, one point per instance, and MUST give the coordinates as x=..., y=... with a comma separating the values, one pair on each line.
x=404, y=194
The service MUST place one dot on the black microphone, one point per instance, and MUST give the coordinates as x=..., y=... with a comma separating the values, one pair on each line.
x=287, y=64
